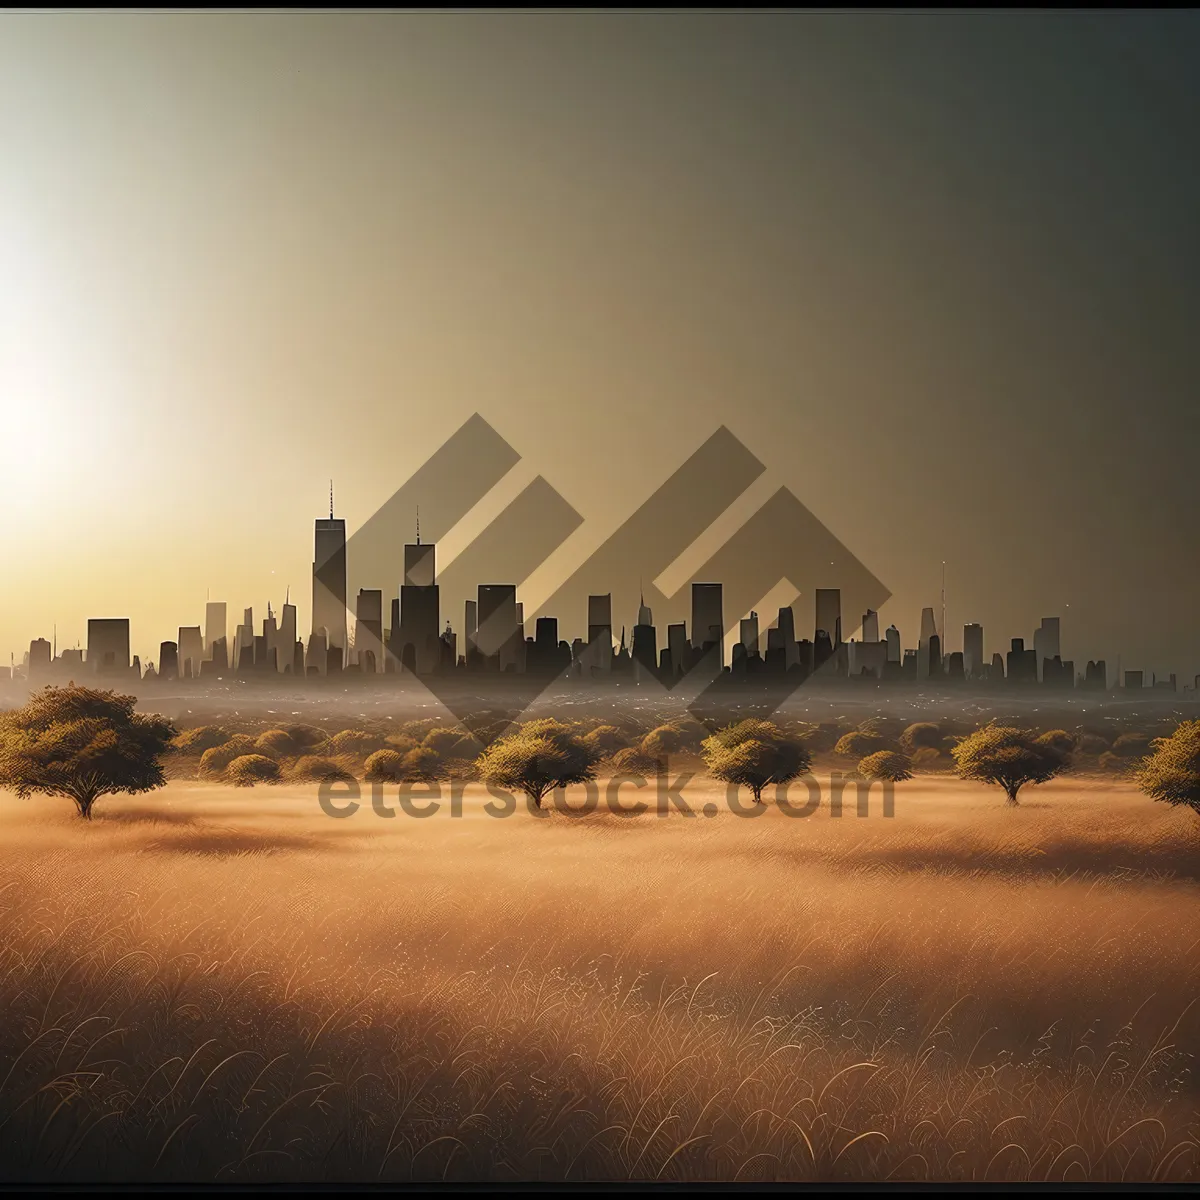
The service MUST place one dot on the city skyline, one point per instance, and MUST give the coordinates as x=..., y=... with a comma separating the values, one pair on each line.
x=955, y=311
x=422, y=640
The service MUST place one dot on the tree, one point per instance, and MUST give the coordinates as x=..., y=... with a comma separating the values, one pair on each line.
x=889, y=766
x=196, y=741
x=1008, y=757
x=422, y=765
x=1058, y=739
x=754, y=754
x=276, y=743
x=82, y=743
x=539, y=757
x=384, y=766
x=1172, y=772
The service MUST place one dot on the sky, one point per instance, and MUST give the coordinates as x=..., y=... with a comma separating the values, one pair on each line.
x=939, y=273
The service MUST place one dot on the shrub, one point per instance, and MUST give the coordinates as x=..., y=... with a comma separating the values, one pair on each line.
x=213, y=762
x=754, y=753
x=422, y=765
x=887, y=765
x=857, y=744
x=353, y=741
x=196, y=741
x=318, y=769
x=1172, y=772
x=276, y=743
x=1008, y=757
x=1109, y=761
x=251, y=769
x=923, y=735
x=444, y=742
x=1132, y=745
x=305, y=737
x=1091, y=743
x=606, y=739
x=402, y=743
x=384, y=766
x=1057, y=739
x=663, y=741
x=81, y=743
x=636, y=760
x=926, y=759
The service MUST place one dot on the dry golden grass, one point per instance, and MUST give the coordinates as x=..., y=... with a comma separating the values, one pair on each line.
x=209, y=984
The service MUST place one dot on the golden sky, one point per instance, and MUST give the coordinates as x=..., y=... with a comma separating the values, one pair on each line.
x=938, y=273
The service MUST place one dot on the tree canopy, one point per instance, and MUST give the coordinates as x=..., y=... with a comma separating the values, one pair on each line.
x=82, y=743
x=755, y=753
x=1008, y=757
x=1171, y=773
x=887, y=765
x=541, y=756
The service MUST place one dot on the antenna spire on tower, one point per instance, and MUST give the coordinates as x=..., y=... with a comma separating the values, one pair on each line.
x=418, y=524
x=331, y=499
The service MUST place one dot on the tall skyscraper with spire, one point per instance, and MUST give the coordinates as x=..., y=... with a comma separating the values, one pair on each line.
x=329, y=579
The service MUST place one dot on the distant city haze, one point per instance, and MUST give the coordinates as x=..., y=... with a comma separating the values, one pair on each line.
x=940, y=274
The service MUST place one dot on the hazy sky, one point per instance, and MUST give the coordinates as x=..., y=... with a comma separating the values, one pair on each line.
x=940, y=273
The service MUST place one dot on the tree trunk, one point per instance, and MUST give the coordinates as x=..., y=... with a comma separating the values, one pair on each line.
x=1012, y=794
x=84, y=804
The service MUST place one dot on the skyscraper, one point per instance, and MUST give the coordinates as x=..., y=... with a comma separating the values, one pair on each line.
x=215, y=621
x=1046, y=643
x=829, y=613
x=368, y=630
x=748, y=633
x=600, y=649
x=973, y=650
x=191, y=651
x=497, y=633
x=928, y=630
x=708, y=619
x=420, y=608
x=329, y=578
x=870, y=626
x=108, y=644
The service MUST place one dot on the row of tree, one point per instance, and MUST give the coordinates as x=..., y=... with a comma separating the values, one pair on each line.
x=83, y=743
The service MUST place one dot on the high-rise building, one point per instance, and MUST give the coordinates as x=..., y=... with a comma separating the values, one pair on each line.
x=40, y=655
x=215, y=622
x=600, y=647
x=786, y=623
x=287, y=635
x=496, y=637
x=708, y=619
x=829, y=613
x=329, y=579
x=748, y=633
x=168, y=660
x=892, y=637
x=677, y=648
x=973, y=660
x=928, y=630
x=108, y=644
x=191, y=651
x=368, y=629
x=870, y=626
x=1046, y=643
x=420, y=564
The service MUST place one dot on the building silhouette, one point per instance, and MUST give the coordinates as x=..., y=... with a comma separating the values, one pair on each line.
x=108, y=645
x=329, y=578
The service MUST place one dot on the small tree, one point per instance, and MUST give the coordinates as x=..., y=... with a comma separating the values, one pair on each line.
x=213, y=762
x=539, y=757
x=1058, y=739
x=1172, y=772
x=82, y=743
x=754, y=754
x=276, y=743
x=1008, y=757
x=422, y=765
x=889, y=766
x=199, y=739
x=606, y=739
x=663, y=741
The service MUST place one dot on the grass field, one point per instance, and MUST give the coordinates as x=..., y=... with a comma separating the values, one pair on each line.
x=218, y=984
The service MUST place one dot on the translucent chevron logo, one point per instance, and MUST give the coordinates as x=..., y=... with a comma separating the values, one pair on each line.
x=781, y=554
